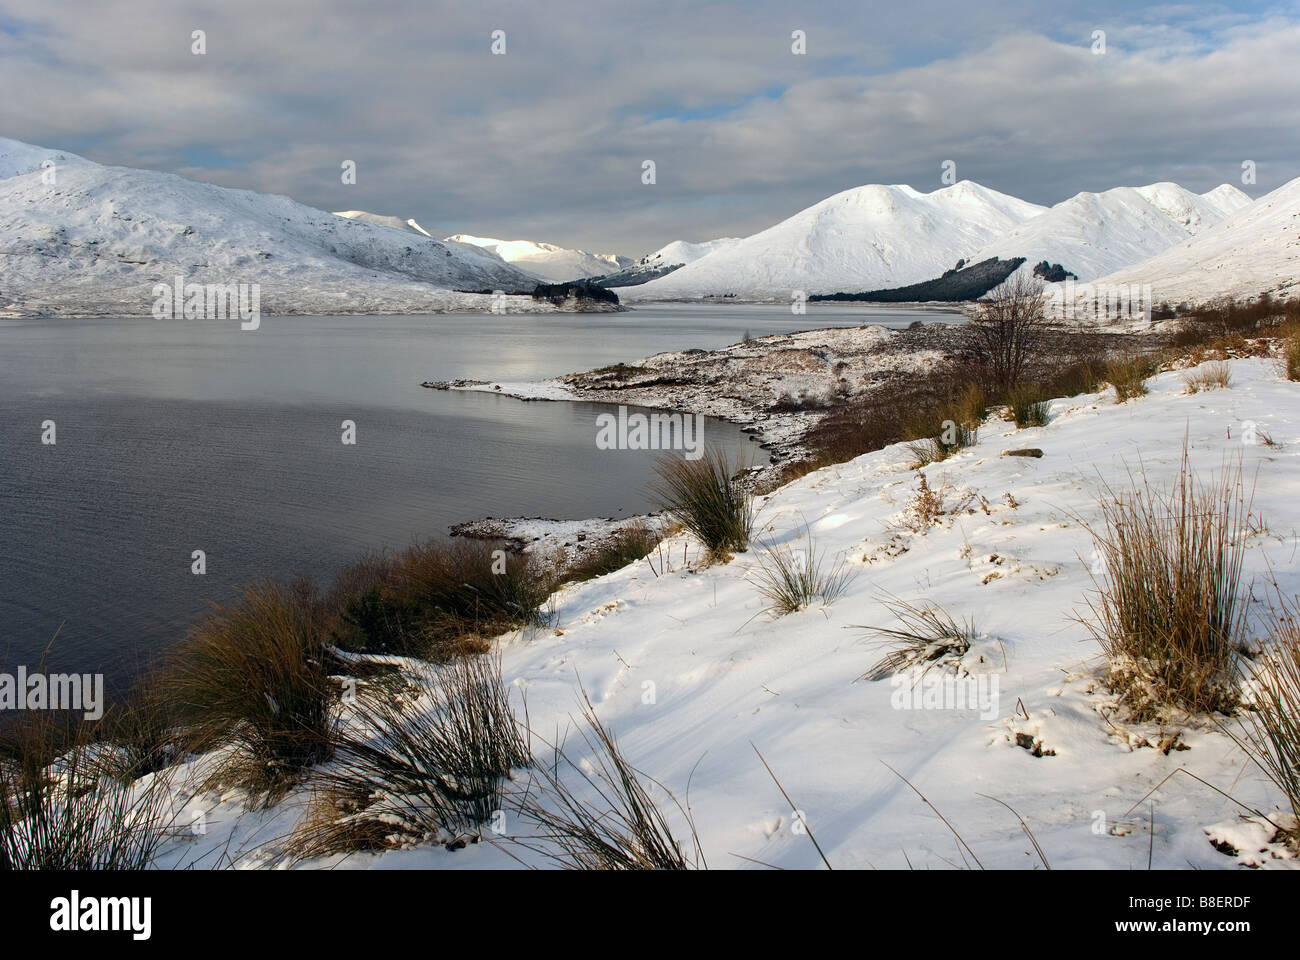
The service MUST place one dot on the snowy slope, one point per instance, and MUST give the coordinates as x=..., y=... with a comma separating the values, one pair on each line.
x=1092, y=234
x=98, y=238
x=724, y=676
x=545, y=261
x=866, y=238
x=1254, y=251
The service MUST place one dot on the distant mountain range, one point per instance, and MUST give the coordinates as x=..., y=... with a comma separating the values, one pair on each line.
x=877, y=238
x=80, y=237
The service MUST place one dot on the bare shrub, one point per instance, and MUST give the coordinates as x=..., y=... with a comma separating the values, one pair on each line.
x=1008, y=328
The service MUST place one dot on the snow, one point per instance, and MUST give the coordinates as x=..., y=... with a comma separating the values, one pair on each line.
x=380, y=220
x=546, y=261
x=96, y=240
x=1092, y=234
x=866, y=238
x=1255, y=250
x=1016, y=560
x=676, y=254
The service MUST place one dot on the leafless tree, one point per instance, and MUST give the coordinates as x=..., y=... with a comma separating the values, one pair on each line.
x=1008, y=329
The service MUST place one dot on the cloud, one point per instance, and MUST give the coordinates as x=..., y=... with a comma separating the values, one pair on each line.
x=547, y=141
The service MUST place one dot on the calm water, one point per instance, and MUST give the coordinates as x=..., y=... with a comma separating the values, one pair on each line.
x=175, y=436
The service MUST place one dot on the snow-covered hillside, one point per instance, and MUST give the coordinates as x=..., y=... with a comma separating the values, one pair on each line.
x=866, y=238
x=380, y=220
x=1092, y=234
x=81, y=237
x=665, y=260
x=545, y=261
x=1256, y=250
x=687, y=671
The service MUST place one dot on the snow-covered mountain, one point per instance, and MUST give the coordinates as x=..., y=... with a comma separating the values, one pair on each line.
x=546, y=261
x=82, y=237
x=664, y=261
x=866, y=238
x=380, y=220
x=1092, y=234
x=1255, y=250
x=484, y=256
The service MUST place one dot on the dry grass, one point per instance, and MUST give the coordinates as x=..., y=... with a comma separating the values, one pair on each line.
x=1215, y=375
x=1128, y=375
x=791, y=579
x=439, y=600
x=929, y=504
x=61, y=808
x=1271, y=728
x=1170, y=610
x=253, y=678
x=605, y=818
x=922, y=636
x=1028, y=405
x=628, y=545
x=425, y=764
x=1291, y=357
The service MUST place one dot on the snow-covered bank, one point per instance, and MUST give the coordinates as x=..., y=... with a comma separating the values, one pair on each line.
x=682, y=665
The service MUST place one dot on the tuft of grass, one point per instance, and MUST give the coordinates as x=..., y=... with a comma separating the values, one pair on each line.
x=628, y=545
x=253, y=678
x=607, y=819
x=141, y=732
x=972, y=407
x=705, y=497
x=1170, y=612
x=922, y=636
x=1128, y=375
x=439, y=600
x=790, y=579
x=62, y=809
x=1087, y=375
x=1291, y=357
x=1028, y=405
x=1216, y=375
x=1271, y=730
x=929, y=450
x=424, y=764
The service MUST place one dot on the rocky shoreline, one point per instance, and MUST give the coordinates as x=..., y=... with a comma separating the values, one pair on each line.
x=774, y=387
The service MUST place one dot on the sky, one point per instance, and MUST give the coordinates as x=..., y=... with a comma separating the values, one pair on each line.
x=548, y=140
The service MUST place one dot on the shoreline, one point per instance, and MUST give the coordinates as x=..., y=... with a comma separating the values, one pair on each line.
x=773, y=387
x=776, y=388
